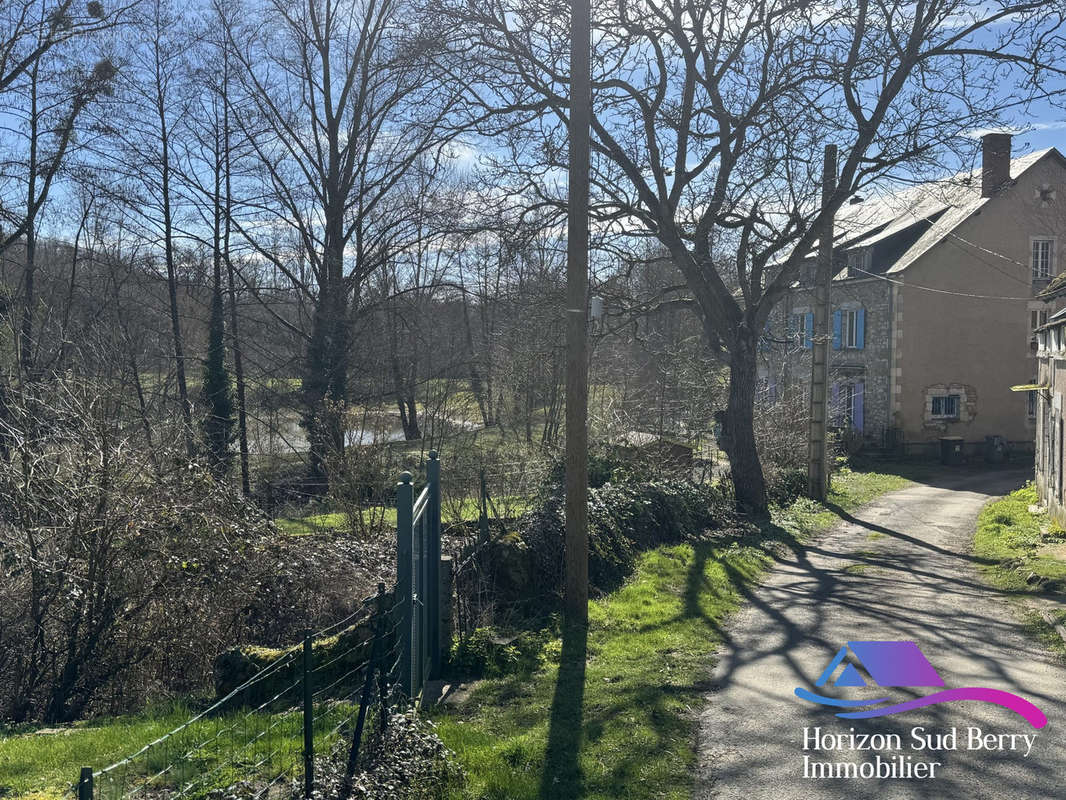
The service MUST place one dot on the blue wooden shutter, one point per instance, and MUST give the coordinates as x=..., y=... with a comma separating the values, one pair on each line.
x=860, y=329
x=834, y=404
x=836, y=329
x=856, y=405
x=808, y=334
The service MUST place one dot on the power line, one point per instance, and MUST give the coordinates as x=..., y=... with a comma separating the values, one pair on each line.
x=942, y=291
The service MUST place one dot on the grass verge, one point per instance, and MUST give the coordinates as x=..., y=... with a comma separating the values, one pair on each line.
x=205, y=758
x=611, y=715
x=649, y=647
x=1021, y=550
x=1024, y=553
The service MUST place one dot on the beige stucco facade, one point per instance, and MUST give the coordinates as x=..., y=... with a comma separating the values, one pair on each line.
x=944, y=276
x=977, y=346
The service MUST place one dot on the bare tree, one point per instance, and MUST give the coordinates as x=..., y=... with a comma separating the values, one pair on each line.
x=342, y=102
x=46, y=83
x=38, y=41
x=144, y=127
x=709, y=116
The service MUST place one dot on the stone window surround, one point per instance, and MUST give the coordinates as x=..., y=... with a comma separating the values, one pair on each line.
x=967, y=403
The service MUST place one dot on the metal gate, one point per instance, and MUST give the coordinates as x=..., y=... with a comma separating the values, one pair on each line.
x=418, y=579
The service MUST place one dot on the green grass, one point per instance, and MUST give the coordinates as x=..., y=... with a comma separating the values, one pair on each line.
x=43, y=764
x=649, y=646
x=1016, y=545
x=1040, y=629
x=451, y=512
x=1013, y=547
x=613, y=716
x=330, y=522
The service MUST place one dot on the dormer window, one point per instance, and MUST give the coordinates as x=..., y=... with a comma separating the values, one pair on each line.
x=859, y=260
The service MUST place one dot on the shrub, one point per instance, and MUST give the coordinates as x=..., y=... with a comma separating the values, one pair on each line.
x=526, y=566
x=124, y=570
x=490, y=653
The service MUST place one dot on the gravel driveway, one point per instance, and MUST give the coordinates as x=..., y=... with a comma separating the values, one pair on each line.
x=900, y=569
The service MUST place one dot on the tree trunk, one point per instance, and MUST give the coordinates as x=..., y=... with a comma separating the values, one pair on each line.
x=235, y=340
x=27, y=356
x=238, y=370
x=172, y=273
x=482, y=396
x=325, y=382
x=738, y=432
x=29, y=271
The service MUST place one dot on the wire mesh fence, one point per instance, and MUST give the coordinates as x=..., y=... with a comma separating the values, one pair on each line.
x=333, y=692
x=266, y=732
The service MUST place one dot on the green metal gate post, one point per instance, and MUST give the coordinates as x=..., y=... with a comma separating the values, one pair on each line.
x=404, y=578
x=309, y=719
x=85, y=784
x=432, y=588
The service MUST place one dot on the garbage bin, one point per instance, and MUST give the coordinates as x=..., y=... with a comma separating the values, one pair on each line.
x=995, y=449
x=951, y=450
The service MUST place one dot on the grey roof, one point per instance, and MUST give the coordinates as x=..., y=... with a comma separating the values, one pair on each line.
x=954, y=199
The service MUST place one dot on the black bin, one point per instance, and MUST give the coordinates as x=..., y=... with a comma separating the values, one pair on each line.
x=995, y=449
x=951, y=450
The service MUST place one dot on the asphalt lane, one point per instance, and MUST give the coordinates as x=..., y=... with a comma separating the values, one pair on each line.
x=900, y=569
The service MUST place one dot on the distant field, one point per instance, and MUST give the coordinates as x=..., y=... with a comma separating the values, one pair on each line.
x=451, y=512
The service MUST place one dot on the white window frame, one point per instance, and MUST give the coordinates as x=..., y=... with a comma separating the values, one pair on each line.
x=860, y=259
x=849, y=328
x=847, y=404
x=1037, y=317
x=949, y=399
x=1042, y=257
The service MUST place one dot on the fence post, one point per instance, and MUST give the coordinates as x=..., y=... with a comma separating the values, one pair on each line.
x=85, y=784
x=384, y=657
x=444, y=617
x=309, y=719
x=404, y=578
x=483, y=511
x=364, y=700
x=432, y=589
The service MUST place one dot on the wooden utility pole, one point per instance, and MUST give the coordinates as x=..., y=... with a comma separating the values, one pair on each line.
x=577, y=279
x=817, y=451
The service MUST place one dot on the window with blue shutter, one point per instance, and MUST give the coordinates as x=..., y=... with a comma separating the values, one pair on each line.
x=849, y=329
x=856, y=405
x=808, y=325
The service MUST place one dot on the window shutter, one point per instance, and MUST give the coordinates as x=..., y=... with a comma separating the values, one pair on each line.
x=836, y=329
x=809, y=334
x=856, y=405
x=860, y=329
x=834, y=406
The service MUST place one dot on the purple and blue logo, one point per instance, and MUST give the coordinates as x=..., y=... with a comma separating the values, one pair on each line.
x=902, y=664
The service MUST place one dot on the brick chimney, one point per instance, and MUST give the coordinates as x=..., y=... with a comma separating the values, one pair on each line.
x=995, y=162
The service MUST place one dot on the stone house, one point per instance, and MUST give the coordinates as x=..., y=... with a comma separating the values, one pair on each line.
x=1048, y=389
x=936, y=296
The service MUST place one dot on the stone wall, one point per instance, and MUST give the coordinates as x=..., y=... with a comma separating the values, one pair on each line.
x=787, y=364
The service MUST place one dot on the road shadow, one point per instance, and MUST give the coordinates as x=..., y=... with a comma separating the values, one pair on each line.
x=895, y=570
x=561, y=778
